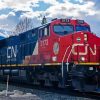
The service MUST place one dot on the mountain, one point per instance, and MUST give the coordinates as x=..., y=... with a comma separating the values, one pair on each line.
x=4, y=33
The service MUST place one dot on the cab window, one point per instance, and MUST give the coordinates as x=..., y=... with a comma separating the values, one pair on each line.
x=82, y=28
x=43, y=32
x=63, y=29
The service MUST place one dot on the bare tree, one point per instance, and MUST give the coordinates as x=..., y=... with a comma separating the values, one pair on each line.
x=23, y=25
x=27, y=24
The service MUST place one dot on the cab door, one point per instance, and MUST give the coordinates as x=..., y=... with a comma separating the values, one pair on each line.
x=44, y=44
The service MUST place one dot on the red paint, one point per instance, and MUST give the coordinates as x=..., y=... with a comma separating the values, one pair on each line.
x=76, y=40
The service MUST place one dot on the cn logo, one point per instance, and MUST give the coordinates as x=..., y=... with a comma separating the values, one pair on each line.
x=12, y=52
x=92, y=50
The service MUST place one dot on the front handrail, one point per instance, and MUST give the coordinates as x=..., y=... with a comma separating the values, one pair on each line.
x=64, y=58
x=68, y=58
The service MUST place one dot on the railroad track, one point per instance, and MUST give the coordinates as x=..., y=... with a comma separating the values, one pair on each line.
x=75, y=93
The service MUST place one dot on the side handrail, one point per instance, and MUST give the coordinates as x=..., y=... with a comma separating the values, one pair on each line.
x=68, y=58
x=64, y=58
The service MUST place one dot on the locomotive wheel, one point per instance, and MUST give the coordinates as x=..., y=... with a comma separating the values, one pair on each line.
x=84, y=79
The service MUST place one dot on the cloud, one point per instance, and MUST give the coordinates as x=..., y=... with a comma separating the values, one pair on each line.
x=66, y=9
x=23, y=5
x=31, y=14
x=72, y=10
x=7, y=21
x=4, y=16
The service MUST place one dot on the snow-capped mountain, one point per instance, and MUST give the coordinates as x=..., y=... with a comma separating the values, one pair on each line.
x=4, y=33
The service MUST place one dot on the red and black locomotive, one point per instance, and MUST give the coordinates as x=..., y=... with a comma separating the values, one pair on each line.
x=61, y=53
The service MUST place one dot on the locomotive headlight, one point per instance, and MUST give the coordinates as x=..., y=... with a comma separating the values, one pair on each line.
x=85, y=37
x=82, y=59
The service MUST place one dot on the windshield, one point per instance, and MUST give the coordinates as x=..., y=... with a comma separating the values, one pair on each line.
x=63, y=29
x=83, y=28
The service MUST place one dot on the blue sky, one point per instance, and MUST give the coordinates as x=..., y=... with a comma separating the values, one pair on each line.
x=12, y=11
